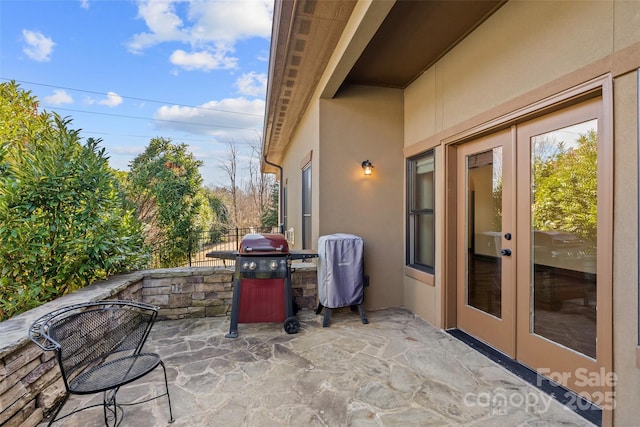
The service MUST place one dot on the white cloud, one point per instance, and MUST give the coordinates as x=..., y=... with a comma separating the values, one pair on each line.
x=59, y=97
x=39, y=47
x=230, y=21
x=112, y=100
x=205, y=61
x=252, y=84
x=209, y=27
x=164, y=25
x=84, y=4
x=215, y=118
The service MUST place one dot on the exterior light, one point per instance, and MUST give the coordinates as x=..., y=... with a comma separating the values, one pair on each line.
x=367, y=167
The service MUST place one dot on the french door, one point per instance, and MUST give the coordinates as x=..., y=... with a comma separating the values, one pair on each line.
x=486, y=235
x=533, y=243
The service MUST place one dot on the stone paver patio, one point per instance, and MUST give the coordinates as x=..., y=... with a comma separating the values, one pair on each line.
x=396, y=371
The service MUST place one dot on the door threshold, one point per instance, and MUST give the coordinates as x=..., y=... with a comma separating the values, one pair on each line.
x=566, y=397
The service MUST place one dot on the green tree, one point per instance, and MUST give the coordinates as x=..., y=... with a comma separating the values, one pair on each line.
x=20, y=125
x=220, y=222
x=63, y=224
x=566, y=188
x=269, y=217
x=165, y=186
x=220, y=211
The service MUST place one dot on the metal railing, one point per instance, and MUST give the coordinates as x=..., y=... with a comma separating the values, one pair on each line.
x=226, y=239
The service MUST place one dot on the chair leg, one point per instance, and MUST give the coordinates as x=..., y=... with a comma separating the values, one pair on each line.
x=109, y=400
x=58, y=409
x=166, y=385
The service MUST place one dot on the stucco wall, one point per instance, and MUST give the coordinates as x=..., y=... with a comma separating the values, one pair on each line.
x=524, y=45
x=305, y=141
x=625, y=264
x=365, y=123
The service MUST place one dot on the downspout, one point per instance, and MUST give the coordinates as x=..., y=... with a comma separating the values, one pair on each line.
x=280, y=187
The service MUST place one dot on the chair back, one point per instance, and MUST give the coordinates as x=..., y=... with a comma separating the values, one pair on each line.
x=87, y=334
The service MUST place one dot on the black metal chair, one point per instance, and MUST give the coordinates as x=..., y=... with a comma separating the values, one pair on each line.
x=98, y=346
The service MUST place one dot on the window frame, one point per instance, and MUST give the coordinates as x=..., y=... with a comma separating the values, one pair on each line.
x=412, y=213
x=307, y=207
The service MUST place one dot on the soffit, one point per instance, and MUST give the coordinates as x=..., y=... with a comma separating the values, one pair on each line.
x=304, y=36
x=412, y=37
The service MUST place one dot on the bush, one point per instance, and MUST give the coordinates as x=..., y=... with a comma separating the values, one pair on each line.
x=63, y=223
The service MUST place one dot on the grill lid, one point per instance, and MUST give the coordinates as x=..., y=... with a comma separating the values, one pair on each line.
x=264, y=243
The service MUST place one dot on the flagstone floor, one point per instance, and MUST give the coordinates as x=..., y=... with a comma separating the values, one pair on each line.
x=396, y=371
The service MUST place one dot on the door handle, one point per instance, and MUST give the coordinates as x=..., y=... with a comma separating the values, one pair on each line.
x=505, y=252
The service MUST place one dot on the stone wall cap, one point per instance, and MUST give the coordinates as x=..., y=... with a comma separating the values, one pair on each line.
x=14, y=331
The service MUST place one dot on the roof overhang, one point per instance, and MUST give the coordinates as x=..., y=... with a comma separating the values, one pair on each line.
x=392, y=51
x=304, y=35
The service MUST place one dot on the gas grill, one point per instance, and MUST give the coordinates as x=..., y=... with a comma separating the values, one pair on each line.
x=262, y=281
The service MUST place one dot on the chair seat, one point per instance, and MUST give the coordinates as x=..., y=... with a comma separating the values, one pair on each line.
x=114, y=373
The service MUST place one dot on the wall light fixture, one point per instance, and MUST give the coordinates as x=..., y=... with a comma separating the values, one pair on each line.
x=367, y=167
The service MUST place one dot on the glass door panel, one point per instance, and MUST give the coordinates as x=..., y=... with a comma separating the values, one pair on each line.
x=564, y=193
x=484, y=231
x=564, y=200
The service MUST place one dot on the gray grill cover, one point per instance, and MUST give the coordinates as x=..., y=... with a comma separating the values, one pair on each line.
x=340, y=270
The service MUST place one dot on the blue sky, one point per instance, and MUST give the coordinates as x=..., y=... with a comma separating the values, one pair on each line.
x=126, y=71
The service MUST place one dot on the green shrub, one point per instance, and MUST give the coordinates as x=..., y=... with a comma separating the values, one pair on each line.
x=63, y=223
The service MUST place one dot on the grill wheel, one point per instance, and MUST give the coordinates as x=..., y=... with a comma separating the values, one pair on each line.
x=291, y=325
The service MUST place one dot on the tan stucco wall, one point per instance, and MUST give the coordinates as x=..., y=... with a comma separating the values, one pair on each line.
x=524, y=45
x=625, y=263
x=626, y=31
x=305, y=141
x=365, y=123
x=361, y=124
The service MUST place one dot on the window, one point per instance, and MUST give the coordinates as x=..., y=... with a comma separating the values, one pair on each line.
x=421, y=212
x=306, y=207
x=284, y=208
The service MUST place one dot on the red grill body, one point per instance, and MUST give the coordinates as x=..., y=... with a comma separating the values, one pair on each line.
x=262, y=281
x=262, y=300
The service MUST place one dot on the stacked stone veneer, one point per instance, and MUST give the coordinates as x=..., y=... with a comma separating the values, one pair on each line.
x=30, y=381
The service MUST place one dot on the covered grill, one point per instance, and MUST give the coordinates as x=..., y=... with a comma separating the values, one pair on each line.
x=262, y=281
x=341, y=278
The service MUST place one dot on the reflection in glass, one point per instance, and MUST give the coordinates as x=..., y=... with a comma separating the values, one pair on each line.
x=563, y=227
x=424, y=201
x=484, y=231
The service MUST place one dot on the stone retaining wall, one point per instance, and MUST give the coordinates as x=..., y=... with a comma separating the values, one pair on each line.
x=30, y=382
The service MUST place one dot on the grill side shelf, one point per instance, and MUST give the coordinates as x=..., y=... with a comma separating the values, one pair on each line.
x=303, y=254
x=222, y=254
